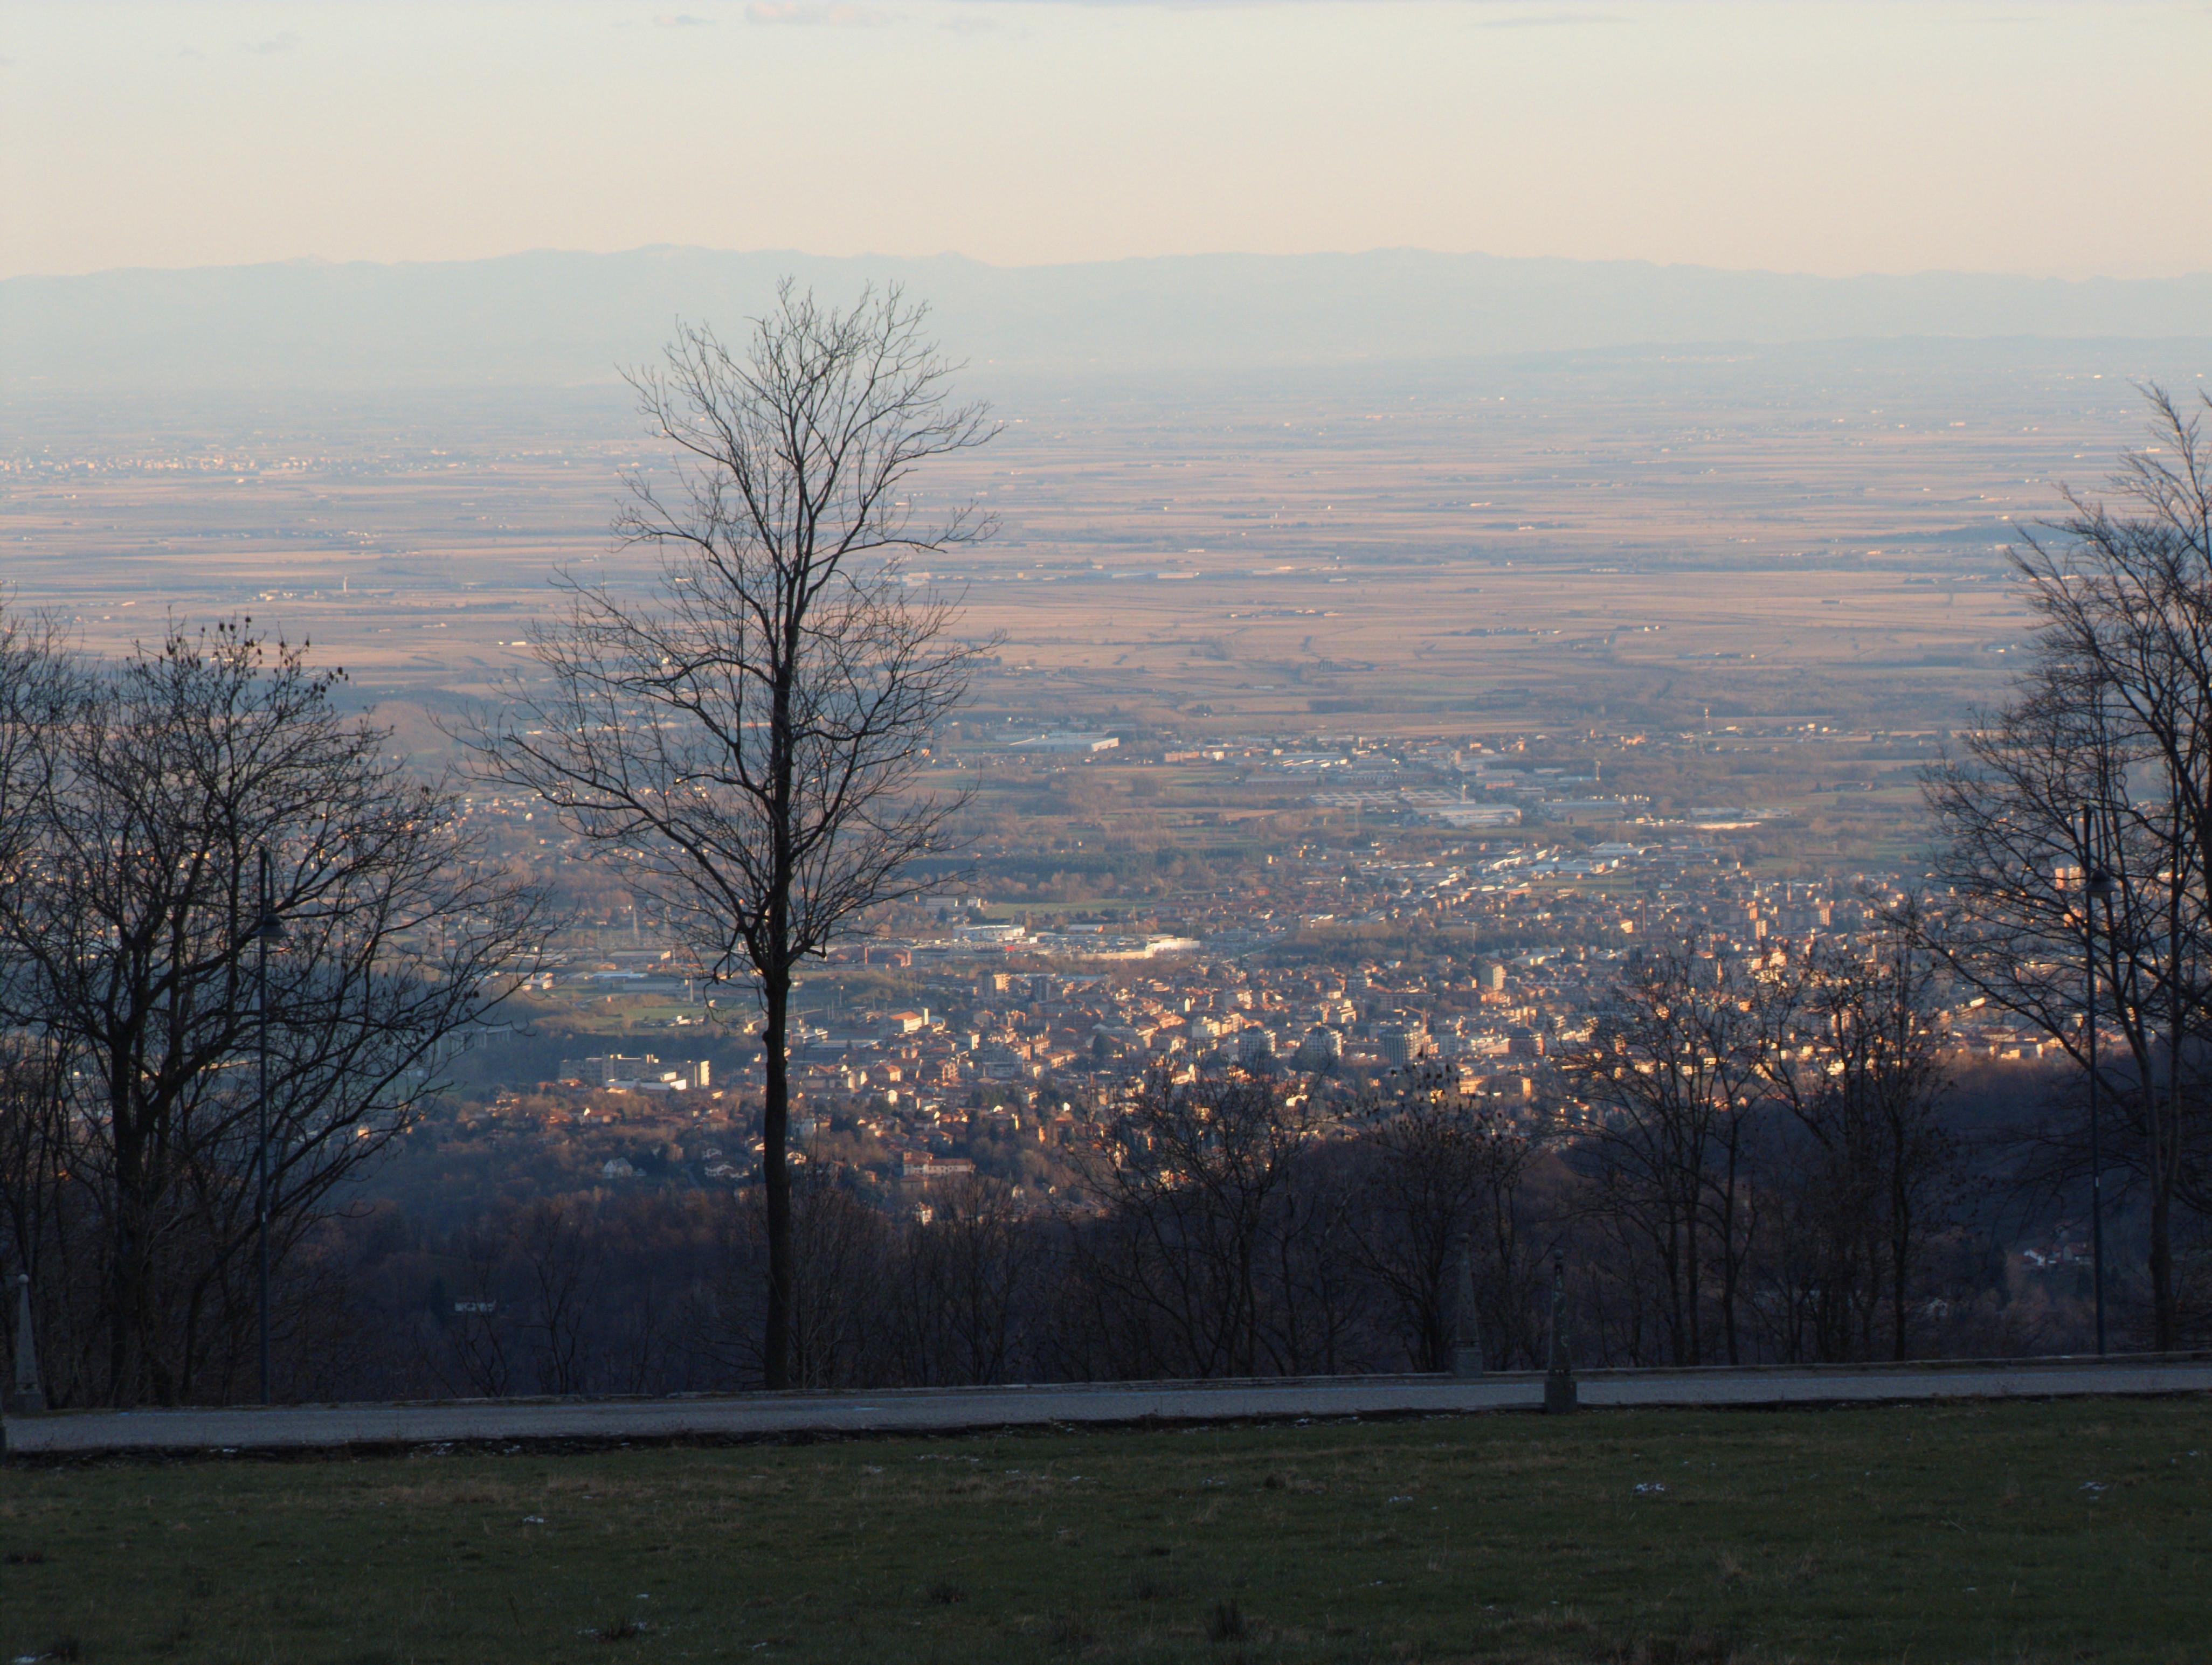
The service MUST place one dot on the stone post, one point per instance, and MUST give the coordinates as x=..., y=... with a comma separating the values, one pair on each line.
x=1466, y=1328
x=1559, y=1393
x=25, y=1396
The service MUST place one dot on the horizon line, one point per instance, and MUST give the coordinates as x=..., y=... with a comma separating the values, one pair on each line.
x=314, y=261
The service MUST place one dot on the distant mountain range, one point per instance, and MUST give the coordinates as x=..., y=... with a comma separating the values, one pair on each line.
x=552, y=318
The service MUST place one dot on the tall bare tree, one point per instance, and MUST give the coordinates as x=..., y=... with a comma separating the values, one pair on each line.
x=2103, y=761
x=748, y=744
x=39, y=687
x=127, y=949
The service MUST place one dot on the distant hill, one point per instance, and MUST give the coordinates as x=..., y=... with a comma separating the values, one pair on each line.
x=552, y=318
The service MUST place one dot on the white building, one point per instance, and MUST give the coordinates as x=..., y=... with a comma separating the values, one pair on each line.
x=1085, y=743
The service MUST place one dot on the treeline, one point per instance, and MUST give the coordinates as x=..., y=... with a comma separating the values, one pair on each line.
x=1224, y=1237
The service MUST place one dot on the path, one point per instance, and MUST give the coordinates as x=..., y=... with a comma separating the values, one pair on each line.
x=950, y=1410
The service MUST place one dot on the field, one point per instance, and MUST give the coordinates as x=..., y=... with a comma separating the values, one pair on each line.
x=1611, y=537
x=2014, y=1533
x=1752, y=584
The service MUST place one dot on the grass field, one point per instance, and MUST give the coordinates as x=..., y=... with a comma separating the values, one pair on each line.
x=2018, y=1532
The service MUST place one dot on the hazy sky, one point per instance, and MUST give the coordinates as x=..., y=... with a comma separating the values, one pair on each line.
x=1823, y=136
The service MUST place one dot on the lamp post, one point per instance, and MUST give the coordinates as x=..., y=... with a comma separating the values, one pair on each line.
x=267, y=928
x=2097, y=886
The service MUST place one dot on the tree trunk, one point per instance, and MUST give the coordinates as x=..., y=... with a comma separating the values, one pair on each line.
x=2162, y=1252
x=1729, y=1258
x=125, y=1272
x=1694, y=1281
x=2166, y=1147
x=1900, y=1237
x=775, y=1179
x=122, y=1300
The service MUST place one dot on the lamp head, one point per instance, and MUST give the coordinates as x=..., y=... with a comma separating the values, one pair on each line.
x=2100, y=885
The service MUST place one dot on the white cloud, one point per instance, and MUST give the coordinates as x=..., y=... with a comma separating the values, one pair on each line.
x=275, y=43
x=681, y=20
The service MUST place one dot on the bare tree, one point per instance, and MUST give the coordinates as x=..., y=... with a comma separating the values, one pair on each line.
x=1437, y=1172
x=125, y=946
x=42, y=1230
x=1674, y=1066
x=1183, y=1272
x=553, y=1239
x=844, y=1275
x=749, y=747
x=45, y=1229
x=41, y=686
x=966, y=1270
x=1852, y=1051
x=2103, y=761
x=476, y=1331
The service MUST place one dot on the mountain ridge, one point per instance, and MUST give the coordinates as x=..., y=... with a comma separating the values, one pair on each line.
x=559, y=316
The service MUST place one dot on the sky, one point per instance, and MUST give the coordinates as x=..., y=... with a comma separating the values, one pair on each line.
x=1827, y=137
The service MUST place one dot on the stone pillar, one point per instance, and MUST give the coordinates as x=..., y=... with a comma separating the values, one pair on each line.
x=1466, y=1328
x=1560, y=1394
x=25, y=1396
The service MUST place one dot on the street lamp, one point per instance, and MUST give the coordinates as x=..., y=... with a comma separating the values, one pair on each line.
x=2097, y=886
x=267, y=928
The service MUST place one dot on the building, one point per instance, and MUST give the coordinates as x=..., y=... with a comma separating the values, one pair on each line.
x=1084, y=744
x=612, y=1068
x=1464, y=815
x=1318, y=1048
x=1399, y=1043
x=1254, y=1045
x=924, y=1168
x=616, y=1068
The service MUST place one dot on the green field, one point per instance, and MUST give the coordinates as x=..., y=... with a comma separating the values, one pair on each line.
x=2014, y=1533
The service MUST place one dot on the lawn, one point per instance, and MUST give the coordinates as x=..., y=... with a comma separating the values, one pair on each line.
x=2011, y=1532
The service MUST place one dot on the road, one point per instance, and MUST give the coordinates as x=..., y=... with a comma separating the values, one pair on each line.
x=767, y=1416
